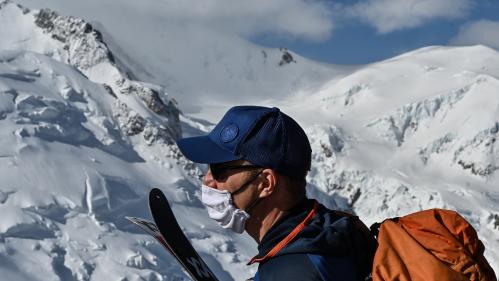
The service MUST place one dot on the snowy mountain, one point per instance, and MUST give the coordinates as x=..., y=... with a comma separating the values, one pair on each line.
x=205, y=70
x=81, y=146
x=414, y=132
x=88, y=129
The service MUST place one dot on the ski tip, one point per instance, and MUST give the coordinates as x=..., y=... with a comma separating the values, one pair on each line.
x=131, y=219
x=156, y=194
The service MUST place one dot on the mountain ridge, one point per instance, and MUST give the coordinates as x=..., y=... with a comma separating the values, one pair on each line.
x=82, y=144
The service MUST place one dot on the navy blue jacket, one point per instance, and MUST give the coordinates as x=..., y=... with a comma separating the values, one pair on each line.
x=332, y=246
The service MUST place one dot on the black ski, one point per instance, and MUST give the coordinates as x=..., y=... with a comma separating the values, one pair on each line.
x=167, y=231
x=150, y=228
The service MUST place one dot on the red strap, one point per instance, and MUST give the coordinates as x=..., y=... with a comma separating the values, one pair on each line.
x=288, y=238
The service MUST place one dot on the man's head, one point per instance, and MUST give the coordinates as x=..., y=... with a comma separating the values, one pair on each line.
x=263, y=136
x=254, y=153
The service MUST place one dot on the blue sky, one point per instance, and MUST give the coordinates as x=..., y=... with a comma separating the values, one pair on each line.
x=334, y=31
x=357, y=40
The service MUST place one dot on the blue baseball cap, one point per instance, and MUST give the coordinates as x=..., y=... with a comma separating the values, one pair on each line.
x=261, y=135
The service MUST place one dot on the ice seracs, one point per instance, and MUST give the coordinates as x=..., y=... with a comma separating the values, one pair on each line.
x=419, y=131
x=83, y=140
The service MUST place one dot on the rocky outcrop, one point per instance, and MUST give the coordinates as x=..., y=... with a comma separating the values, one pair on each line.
x=286, y=57
x=405, y=121
x=80, y=45
x=480, y=155
x=83, y=44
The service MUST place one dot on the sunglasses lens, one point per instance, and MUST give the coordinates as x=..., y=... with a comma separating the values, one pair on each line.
x=215, y=171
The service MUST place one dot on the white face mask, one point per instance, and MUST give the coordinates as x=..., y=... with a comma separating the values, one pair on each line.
x=221, y=209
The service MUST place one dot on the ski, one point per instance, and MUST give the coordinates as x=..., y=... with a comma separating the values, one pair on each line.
x=175, y=237
x=150, y=228
x=166, y=230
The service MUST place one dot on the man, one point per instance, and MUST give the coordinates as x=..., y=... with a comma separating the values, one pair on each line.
x=258, y=160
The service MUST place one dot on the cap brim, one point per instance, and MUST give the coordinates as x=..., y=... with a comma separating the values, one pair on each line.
x=203, y=150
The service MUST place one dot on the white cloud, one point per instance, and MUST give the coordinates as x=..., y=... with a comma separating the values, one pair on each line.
x=297, y=18
x=479, y=32
x=302, y=19
x=391, y=15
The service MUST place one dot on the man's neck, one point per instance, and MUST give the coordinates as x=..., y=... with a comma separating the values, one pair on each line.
x=259, y=226
x=268, y=222
x=263, y=219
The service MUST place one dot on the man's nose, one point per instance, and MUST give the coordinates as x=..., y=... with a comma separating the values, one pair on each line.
x=208, y=180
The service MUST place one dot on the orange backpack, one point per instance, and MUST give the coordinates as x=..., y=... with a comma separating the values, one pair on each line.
x=429, y=245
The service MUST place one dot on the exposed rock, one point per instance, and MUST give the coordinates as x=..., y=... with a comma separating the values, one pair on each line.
x=480, y=155
x=438, y=146
x=352, y=92
x=3, y=3
x=286, y=57
x=494, y=219
x=83, y=44
x=477, y=170
x=405, y=121
x=110, y=90
x=264, y=54
x=129, y=122
x=327, y=150
x=84, y=48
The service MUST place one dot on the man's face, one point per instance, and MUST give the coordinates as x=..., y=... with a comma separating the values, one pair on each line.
x=231, y=176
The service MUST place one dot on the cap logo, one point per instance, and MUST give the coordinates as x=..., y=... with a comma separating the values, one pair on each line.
x=229, y=133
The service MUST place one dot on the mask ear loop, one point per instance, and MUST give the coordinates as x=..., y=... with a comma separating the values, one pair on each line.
x=253, y=205
x=243, y=187
x=246, y=184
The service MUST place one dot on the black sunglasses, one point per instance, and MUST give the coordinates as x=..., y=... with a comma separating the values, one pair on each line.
x=218, y=170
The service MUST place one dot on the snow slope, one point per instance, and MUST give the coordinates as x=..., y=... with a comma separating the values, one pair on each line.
x=204, y=69
x=83, y=140
x=81, y=145
x=414, y=132
x=70, y=175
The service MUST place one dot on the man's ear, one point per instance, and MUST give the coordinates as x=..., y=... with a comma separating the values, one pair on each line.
x=269, y=183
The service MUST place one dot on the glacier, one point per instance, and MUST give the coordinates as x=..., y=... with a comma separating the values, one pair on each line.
x=87, y=130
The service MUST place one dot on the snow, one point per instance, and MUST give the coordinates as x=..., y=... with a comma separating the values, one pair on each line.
x=87, y=131
x=70, y=175
x=206, y=70
x=406, y=138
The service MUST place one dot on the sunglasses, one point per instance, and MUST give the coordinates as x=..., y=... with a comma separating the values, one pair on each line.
x=219, y=170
